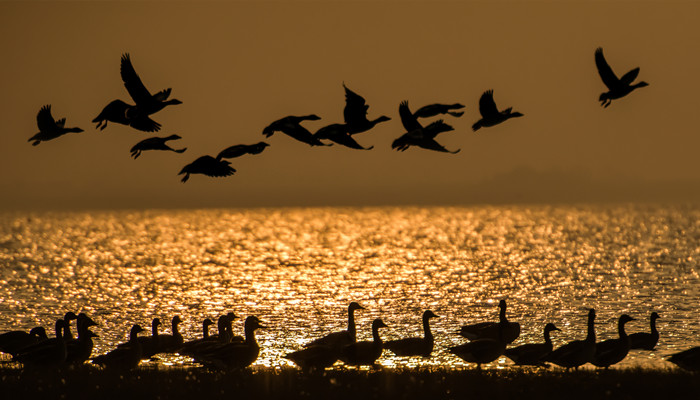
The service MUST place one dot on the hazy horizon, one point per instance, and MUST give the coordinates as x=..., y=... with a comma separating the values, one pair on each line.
x=237, y=66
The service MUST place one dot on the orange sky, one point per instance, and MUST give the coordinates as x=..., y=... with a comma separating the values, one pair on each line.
x=237, y=66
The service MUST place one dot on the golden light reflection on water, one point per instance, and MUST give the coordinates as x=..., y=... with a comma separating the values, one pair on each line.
x=297, y=269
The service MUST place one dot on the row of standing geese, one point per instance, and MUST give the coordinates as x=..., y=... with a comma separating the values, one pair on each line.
x=224, y=350
x=354, y=114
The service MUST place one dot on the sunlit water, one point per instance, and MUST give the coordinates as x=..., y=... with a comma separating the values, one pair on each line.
x=297, y=270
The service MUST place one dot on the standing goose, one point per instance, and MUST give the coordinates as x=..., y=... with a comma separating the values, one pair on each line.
x=339, y=133
x=209, y=166
x=148, y=345
x=170, y=343
x=235, y=355
x=490, y=115
x=417, y=135
x=617, y=88
x=365, y=352
x=484, y=350
x=146, y=103
x=355, y=114
x=49, y=353
x=155, y=143
x=314, y=357
x=241, y=149
x=432, y=110
x=80, y=349
x=342, y=338
x=578, y=352
x=532, y=353
x=511, y=330
x=191, y=344
x=644, y=340
x=612, y=351
x=687, y=359
x=291, y=126
x=415, y=346
x=48, y=127
x=14, y=341
x=122, y=113
x=126, y=356
x=67, y=318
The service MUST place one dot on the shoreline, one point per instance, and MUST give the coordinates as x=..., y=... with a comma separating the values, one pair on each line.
x=409, y=383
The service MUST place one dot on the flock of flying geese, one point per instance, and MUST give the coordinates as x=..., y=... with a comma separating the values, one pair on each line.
x=146, y=104
x=487, y=342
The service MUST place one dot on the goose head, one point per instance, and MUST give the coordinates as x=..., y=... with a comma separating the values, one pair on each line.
x=173, y=137
x=640, y=84
x=38, y=331
x=624, y=318
x=378, y=323
x=176, y=320
x=355, y=306
x=86, y=321
x=70, y=315
x=135, y=330
x=515, y=114
x=253, y=323
x=429, y=314
x=207, y=322
x=654, y=316
x=550, y=327
x=173, y=102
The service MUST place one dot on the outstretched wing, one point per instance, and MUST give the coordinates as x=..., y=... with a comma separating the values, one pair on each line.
x=606, y=73
x=44, y=119
x=347, y=141
x=408, y=120
x=436, y=128
x=629, y=77
x=355, y=107
x=132, y=82
x=487, y=106
x=431, y=144
x=144, y=124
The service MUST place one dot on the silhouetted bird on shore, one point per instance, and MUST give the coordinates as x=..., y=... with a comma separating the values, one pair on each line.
x=14, y=341
x=646, y=340
x=355, y=114
x=490, y=115
x=155, y=143
x=687, y=359
x=617, y=88
x=48, y=127
x=126, y=356
x=343, y=338
x=291, y=126
x=417, y=135
x=338, y=133
x=532, y=353
x=577, y=352
x=415, y=346
x=432, y=110
x=242, y=149
x=46, y=354
x=481, y=330
x=365, y=352
x=122, y=113
x=482, y=351
x=612, y=351
x=146, y=103
x=209, y=166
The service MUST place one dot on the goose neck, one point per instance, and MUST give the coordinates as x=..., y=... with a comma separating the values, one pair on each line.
x=351, y=323
x=426, y=328
x=590, y=337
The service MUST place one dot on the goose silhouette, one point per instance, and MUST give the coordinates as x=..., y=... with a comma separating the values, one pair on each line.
x=492, y=330
x=644, y=340
x=14, y=341
x=155, y=143
x=612, y=351
x=126, y=356
x=291, y=126
x=365, y=352
x=355, y=114
x=482, y=351
x=146, y=103
x=50, y=353
x=79, y=350
x=234, y=355
x=532, y=353
x=417, y=135
x=241, y=149
x=209, y=166
x=339, y=133
x=490, y=115
x=342, y=338
x=432, y=110
x=578, y=352
x=617, y=87
x=49, y=128
x=415, y=346
x=120, y=112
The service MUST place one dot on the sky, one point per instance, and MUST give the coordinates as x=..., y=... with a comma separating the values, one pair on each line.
x=238, y=66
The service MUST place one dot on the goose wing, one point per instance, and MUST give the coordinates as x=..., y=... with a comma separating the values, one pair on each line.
x=132, y=82
x=355, y=107
x=487, y=106
x=144, y=124
x=347, y=141
x=408, y=120
x=44, y=120
x=431, y=144
x=606, y=73
x=436, y=128
x=630, y=76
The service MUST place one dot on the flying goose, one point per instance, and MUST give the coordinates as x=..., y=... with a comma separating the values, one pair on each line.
x=342, y=338
x=532, y=353
x=417, y=135
x=578, y=352
x=49, y=353
x=355, y=114
x=291, y=126
x=432, y=110
x=120, y=112
x=612, y=351
x=126, y=356
x=48, y=127
x=511, y=330
x=484, y=350
x=241, y=149
x=14, y=341
x=415, y=346
x=146, y=103
x=234, y=355
x=490, y=115
x=155, y=143
x=687, y=359
x=209, y=166
x=339, y=133
x=644, y=340
x=617, y=88
x=365, y=352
